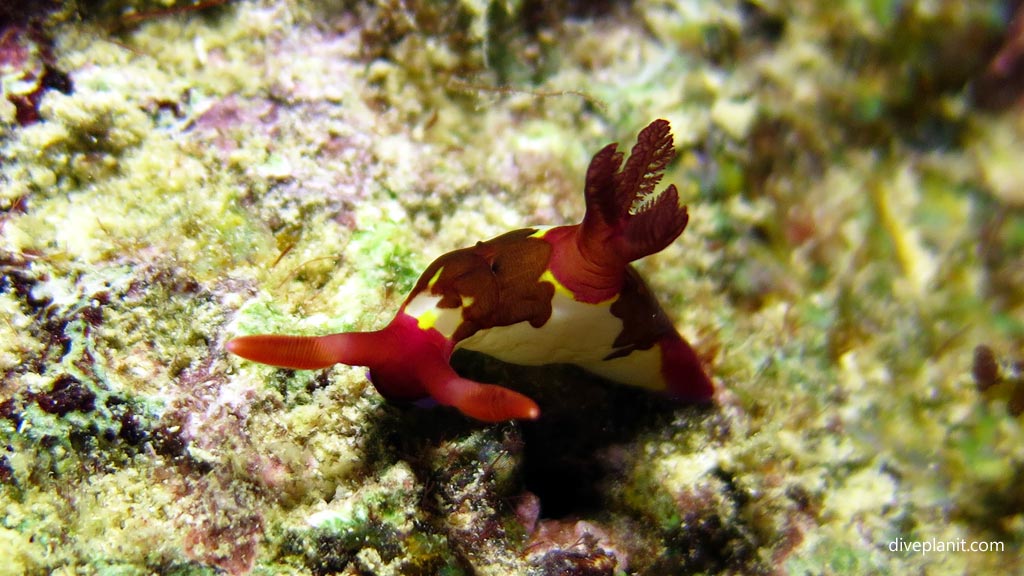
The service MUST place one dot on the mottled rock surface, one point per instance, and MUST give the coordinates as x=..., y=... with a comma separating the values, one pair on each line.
x=173, y=174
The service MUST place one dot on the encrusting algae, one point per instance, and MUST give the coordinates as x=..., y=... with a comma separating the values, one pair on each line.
x=176, y=174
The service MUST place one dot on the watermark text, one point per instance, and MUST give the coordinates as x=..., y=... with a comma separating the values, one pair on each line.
x=936, y=545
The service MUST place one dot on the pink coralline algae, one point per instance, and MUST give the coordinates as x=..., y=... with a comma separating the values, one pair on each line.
x=27, y=70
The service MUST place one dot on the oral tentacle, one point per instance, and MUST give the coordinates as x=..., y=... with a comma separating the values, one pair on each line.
x=484, y=402
x=312, y=352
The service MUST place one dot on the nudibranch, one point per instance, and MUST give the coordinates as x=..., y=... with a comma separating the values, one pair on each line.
x=563, y=294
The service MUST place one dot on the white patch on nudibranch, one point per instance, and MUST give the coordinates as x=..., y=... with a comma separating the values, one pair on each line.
x=424, y=308
x=576, y=333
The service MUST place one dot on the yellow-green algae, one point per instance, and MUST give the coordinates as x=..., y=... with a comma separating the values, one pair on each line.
x=855, y=232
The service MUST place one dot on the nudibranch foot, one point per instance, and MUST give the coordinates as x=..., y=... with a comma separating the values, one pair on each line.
x=685, y=379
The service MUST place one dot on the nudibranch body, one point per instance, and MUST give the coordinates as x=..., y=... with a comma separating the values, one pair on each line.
x=536, y=296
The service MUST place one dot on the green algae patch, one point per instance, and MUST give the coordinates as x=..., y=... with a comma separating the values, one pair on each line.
x=391, y=263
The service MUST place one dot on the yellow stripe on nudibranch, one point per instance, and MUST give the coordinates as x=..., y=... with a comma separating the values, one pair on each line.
x=433, y=279
x=547, y=276
x=560, y=288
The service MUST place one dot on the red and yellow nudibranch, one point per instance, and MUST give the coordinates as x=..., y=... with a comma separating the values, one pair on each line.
x=565, y=294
